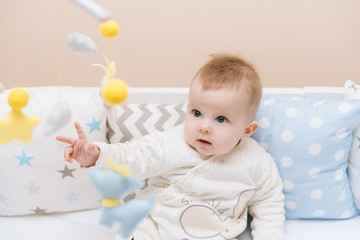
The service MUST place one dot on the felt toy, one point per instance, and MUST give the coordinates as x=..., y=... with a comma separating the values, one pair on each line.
x=113, y=90
x=80, y=44
x=59, y=115
x=113, y=184
x=16, y=125
x=109, y=29
x=96, y=10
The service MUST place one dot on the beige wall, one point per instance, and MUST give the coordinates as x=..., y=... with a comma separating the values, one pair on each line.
x=162, y=43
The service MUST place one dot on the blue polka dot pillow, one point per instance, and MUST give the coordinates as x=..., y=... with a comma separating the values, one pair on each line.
x=352, y=91
x=310, y=142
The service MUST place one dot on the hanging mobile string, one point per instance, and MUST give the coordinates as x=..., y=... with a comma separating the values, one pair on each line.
x=108, y=49
x=16, y=38
x=108, y=41
x=60, y=44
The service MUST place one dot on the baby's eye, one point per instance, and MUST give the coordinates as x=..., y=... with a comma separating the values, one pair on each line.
x=221, y=119
x=197, y=113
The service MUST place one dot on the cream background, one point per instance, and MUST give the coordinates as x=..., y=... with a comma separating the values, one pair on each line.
x=162, y=43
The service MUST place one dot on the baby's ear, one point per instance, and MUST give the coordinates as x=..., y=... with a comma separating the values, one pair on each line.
x=250, y=129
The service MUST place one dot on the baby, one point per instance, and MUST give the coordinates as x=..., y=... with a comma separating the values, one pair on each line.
x=206, y=174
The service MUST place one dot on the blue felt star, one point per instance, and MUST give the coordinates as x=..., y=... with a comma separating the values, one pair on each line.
x=94, y=125
x=24, y=159
x=72, y=197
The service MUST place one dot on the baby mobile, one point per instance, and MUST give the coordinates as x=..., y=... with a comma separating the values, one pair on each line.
x=113, y=90
x=115, y=182
x=18, y=126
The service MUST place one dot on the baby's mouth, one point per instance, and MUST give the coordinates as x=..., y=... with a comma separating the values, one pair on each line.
x=204, y=142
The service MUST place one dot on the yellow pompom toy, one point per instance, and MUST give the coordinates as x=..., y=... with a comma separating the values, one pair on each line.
x=18, y=98
x=114, y=91
x=16, y=125
x=109, y=29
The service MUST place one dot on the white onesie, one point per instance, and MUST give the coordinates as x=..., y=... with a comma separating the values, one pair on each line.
x=201, y=197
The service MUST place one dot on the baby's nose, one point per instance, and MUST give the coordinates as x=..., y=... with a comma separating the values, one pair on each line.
x=205, y=127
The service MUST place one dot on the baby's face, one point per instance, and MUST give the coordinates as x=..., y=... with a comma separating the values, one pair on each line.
x=216, y=119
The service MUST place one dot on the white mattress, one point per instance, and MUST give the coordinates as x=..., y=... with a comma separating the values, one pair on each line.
x=85, y=225
x=60, y=226
x=318, y=230
x=325, y=229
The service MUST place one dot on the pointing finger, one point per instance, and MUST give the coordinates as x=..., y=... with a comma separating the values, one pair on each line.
x=80, y=131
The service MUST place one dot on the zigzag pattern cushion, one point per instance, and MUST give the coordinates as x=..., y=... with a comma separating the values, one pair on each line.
x=131, y=121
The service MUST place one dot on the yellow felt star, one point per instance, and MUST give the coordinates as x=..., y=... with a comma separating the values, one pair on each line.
x=16, y=125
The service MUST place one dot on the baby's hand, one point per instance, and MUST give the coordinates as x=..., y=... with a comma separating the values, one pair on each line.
x=82, y=150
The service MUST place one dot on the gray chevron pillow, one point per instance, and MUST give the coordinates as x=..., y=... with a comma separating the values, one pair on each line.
x=127, y=122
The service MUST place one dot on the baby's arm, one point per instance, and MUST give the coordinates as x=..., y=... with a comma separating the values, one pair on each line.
x=80, y=149
x=151, y=155
x=144, y=157
x=267, y=205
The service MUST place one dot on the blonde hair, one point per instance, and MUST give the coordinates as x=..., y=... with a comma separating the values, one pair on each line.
x=226, y=70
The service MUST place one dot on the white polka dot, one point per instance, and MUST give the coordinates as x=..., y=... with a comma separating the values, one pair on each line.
x=346, y=214
x=269, y=102
x=314, y=172
x=316, y=194
x=339, y=154
x=287, y=136
x=339, y=175
x=291, y=112
x=291, y=205
x=315, y=122
x=344, y=108
x=264, y=122
x=319, y=213
x=288, y=185
x=342, y=196
x=341, y=133
x=314, y=148
x=263, y=145
x=286, y=161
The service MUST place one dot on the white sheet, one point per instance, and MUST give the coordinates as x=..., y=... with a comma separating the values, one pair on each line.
x=323, y=229
x=62, y=226
x=85, y=225
x=318, y=230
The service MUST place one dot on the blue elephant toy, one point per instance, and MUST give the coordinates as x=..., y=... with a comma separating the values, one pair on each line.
x=114, y=184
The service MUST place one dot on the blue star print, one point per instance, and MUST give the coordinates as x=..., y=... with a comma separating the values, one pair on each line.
x=24, y=159
x=94, y=125
x=72, y=197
